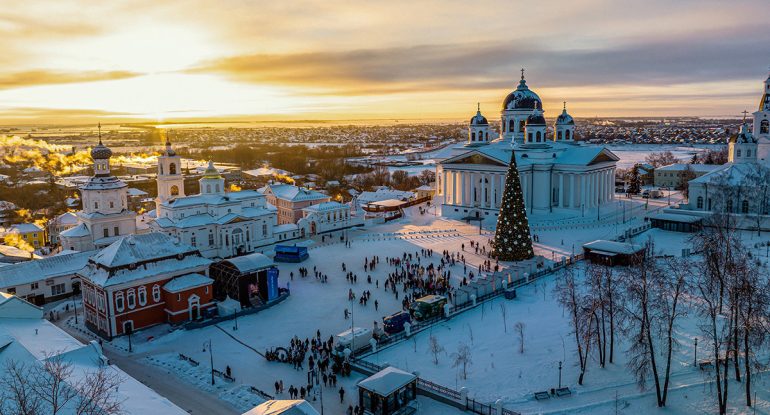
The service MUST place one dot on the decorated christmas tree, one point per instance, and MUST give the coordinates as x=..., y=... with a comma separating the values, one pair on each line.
x=512, y=241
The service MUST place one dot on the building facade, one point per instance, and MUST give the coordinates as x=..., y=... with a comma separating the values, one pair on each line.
x=327, y=217
x=105, y=216
x=740, y=186
x=555, y=171
x=218, y=223
x=143, y=280
x=290, y=200
x=674, y=176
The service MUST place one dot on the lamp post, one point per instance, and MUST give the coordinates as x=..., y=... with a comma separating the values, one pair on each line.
x=211, y=358
x=559, y=374
x=235, y=328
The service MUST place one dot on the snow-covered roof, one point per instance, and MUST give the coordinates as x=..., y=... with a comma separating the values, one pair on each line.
x=424, y=187
x=545, y=153
x=41, y=269
x=251, y=262
x=383, y=194
x=676, y=217
x=12, y=251
x=204, y=219
x=134, y=249
x=324, y=206
x=732, y=174
x=266, y=171
x=136, y=192
x=214, y=199
x=613, y=247
x=283, y=407
x=286, y=227
x=700, y=168
x=293, y=193
x=6, y=205
x=76, y=232
x=66, y=218
x=187, y=282
x=387, y=381
x=25, y=228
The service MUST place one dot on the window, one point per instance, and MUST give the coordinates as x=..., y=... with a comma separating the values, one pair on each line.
x=207, y=289
x=264, y=229
x=96, y=205
x=33, y=286
x=11, y=290
x=156, y=293
x=142, y=296
x=193, y=240
x=172, y=168
x=217, y=187
x=567, y=134
x=748, y=152
x=764, y=127
x=106, y=232
x=558, y=135
x=700, y=202
x=211, y=239
x=745, y=206
x=179, y=297
x=473, y=136
x=729, y=206
x=112, y=204
x=119, y=304
x=57, y=289
x=738, y=152
x=174, y=191
x=100, y=301
x=116, y=230
x=208, y=188
x=131, y=299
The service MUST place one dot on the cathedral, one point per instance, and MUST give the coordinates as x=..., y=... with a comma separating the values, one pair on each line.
x=556, y=171
x=105, y=217
x=217, y=222
x=740, y=186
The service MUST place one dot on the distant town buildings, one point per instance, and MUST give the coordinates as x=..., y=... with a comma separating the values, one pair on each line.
x=290, y=200
x=674, y=176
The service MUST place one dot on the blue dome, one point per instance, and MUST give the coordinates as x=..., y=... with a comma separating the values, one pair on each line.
x=536, y=119
x=522, y=98
x=479, y=119
x=565, y=119
x=101, y=152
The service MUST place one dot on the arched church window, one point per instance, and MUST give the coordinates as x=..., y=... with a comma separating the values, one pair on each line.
x=530, y=136
x=699, y=202
x=511, y=126
x=486, y=135
x=174, y=190
x=172, y=168
x=745, y=206
x=96, y=205
x=764, y=127
x=473, y=136
x=208, y=188
x=537, y=136
x=567, y=134
x=558, y=135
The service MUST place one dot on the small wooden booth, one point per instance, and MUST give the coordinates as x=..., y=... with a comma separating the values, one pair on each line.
x=387, y=391
x=612, y=253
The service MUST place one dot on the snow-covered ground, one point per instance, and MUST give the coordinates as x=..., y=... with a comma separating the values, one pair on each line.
x=498, y=370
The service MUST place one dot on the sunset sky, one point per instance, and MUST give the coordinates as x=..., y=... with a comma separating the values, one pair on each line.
x=80, y=61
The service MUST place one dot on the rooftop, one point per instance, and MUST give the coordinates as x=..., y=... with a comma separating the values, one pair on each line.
x=387, y=381
x=187, y=282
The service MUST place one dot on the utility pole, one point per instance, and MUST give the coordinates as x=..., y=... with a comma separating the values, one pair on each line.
x=211, y=358
x=695, y=359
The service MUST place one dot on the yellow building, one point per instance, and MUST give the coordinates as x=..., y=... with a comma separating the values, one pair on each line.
x=29, y=232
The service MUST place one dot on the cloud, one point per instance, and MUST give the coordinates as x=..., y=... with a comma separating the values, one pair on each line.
x=49, y=77
x=485, y=65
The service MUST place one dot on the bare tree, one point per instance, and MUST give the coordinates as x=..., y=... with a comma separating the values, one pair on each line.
x=462, y=358
x=435, y=348
x=569, y=297
x=664, y=158
x=51, y=388
x=519, y=328
x=716, y=331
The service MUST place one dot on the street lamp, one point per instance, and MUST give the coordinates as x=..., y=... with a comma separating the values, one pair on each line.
x=695, y=359
x=75, y=308
x=559, y=374
x=211, y=357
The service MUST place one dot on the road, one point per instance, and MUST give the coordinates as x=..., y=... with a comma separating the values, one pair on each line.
x=183, y=395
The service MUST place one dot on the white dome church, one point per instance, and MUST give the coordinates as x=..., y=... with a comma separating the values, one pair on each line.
x=556, y=172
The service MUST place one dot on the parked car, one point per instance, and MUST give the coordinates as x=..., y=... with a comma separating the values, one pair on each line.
x=394, y=323
x=354, y=339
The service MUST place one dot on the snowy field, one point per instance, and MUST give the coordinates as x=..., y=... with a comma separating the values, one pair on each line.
x=498, y=370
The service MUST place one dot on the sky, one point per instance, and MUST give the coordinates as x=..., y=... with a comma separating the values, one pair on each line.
x=80, y=61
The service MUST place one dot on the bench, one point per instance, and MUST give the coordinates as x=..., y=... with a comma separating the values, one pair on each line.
x=541, y=396
x=563, y=392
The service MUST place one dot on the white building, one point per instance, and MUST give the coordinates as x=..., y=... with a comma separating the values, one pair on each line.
x=555, y=172
x=105, y=216
x=218, y=223
x=44, y=280
x=327, y=217
x=59, y=224
x=741, y=185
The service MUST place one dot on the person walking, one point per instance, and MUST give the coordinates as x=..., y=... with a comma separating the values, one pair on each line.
x=342, y=394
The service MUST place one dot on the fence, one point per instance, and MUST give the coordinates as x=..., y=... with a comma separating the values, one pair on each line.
x=261, y=393
x=212, y=321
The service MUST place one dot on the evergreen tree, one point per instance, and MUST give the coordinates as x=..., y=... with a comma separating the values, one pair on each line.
x=634, y=185
x=512, y=241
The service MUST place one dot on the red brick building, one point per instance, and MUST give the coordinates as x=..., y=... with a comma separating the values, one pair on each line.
x=143, y=280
